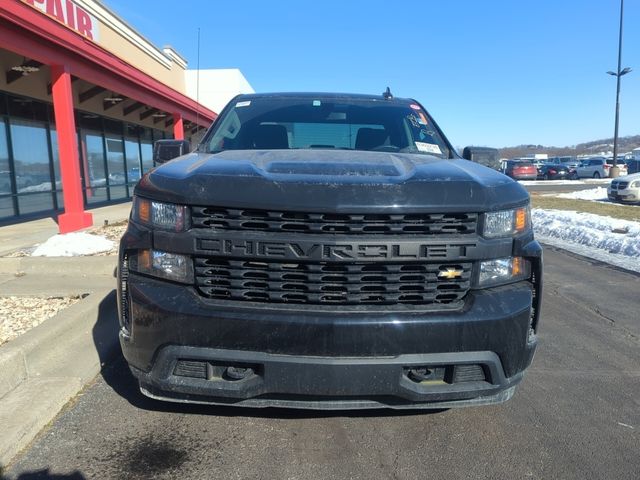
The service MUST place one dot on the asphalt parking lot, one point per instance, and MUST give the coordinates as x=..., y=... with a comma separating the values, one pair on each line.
x=576, y=415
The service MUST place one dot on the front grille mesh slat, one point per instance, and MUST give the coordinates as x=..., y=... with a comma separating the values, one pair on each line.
x=230, y=219
x=326, y=283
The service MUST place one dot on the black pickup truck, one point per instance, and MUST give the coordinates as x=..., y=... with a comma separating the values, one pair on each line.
x=328, y=251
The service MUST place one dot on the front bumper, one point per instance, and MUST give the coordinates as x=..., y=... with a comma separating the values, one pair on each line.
x=180, y=344
x=624, y=195
x=324, y=383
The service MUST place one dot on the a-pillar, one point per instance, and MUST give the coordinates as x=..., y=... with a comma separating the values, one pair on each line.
x=178, y=127
x=74, y=217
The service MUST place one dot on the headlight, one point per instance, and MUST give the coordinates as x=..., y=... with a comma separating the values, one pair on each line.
x=503, y=270
x=171, y=266
x=506, y=222
x=635, y=184
x=166, y=216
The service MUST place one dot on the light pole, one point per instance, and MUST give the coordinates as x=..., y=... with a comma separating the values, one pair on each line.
x=614, y=171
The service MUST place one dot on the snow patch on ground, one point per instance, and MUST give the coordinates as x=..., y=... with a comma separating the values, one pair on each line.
x=590, y=235
x=72, y=245
x=585, y=181
x=595, y=194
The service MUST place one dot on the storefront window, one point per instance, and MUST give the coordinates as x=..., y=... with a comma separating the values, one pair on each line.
x=146, y=149
x=31, y=164
x=115, y=165
x=56, y=167
x=113, y=156
x=6, y=202
x=94, y=172
x=132, y=150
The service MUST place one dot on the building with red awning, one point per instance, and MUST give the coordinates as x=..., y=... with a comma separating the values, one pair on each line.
x=82, y=98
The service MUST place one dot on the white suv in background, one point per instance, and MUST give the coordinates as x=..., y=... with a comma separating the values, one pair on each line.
x=598, y=168
x=625, y=189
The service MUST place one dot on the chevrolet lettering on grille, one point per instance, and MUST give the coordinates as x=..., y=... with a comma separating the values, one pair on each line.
x=338, y=251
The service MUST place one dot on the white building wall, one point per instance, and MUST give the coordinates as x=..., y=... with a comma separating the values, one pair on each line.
x=216, y=86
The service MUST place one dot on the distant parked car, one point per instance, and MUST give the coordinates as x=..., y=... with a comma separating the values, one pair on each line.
x=633, y=166
x=625, y=189
x=551, y=171
x=567, y=161
x=571, y=164
x=591, y=168
x=538, y=163
x=520, y=170
x=598, y=168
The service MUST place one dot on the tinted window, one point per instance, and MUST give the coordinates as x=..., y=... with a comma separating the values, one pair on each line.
x=6, y=202
x=95, y=175
x=115, y=164
x=31, y=163
x=146, y=149
x=343, y=123
x=55, y=153
x=132, y=152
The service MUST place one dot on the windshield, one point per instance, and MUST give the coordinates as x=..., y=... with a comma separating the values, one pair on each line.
x=334, y=123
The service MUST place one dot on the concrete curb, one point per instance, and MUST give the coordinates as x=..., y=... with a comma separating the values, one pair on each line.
x=41, y=370
x=13, y=370
x=95, y=265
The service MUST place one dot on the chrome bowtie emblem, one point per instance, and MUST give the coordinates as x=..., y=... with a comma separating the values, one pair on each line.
x=450, y=273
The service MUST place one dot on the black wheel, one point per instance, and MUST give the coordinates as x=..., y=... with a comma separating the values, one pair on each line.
x=596, y=175
x=546, y=176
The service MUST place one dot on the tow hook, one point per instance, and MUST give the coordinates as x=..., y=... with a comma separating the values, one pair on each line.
x=238, y=373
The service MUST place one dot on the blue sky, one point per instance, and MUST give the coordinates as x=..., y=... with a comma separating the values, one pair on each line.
x=496, y=73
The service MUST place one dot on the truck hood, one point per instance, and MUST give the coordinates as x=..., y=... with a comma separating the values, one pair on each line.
x=330, y=180
x=629, y=178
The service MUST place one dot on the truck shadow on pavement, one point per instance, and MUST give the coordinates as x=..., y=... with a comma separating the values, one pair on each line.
x=45, y=474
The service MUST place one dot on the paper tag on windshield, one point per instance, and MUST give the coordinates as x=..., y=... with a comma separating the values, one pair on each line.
x=243, y=104
x=428, y=148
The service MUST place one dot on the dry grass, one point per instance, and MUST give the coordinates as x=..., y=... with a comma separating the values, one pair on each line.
x=623, y=212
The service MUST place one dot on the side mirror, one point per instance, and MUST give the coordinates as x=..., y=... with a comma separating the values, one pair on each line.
x=489, y=157
x=165, y=150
